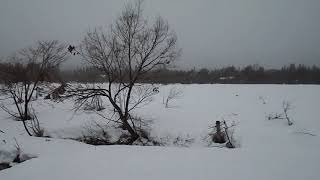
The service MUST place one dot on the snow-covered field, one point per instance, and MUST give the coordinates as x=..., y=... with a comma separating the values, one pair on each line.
x=267, y=149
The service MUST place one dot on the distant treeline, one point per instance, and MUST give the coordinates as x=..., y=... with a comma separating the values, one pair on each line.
x=251, y=74
x=19, y=72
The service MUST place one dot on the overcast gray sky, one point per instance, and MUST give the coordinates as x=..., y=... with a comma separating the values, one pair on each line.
x=212, y=33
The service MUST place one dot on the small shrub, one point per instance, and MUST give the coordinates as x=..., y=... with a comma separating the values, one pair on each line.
x=173, y=94
x=37, y=130
x=8, y=158
x=183, y=142
x=95, y=135
x=170, y=140
x=286, y=107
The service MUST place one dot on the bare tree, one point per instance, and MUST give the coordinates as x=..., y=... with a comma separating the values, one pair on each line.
x=174, y=93
x=33, y=65
x=125, y=53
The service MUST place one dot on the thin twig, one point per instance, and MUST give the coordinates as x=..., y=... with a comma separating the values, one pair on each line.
x=306, y=133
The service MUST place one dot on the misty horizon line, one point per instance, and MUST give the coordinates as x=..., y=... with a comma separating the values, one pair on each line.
x=217, y=67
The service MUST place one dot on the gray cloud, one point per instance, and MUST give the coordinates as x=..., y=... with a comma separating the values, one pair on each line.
x=211, y=32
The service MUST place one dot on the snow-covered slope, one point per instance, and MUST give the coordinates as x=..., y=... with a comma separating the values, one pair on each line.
x=268, y=149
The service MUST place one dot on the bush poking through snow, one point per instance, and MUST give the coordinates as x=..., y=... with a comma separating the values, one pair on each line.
x=31, y=123
x=12, y=156
x=173, y=94
x=286, y=107
x=170, y=140
x=274, y=116
x=261, y=98
x=183, y=142
x=115, y=133
x=35, y=127
x=96, y=134
x=17, y=159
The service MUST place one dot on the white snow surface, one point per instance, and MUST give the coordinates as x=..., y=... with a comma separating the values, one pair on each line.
x=267, y=149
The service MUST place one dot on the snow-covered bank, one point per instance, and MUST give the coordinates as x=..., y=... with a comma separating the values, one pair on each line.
x=68, y=160
x=269, y=149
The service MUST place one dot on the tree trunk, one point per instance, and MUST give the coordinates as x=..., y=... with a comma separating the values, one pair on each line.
x=25, y=127
x=26, y=117
x=133, y=133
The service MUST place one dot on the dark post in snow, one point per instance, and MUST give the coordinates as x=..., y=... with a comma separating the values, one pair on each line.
x=219, y=136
